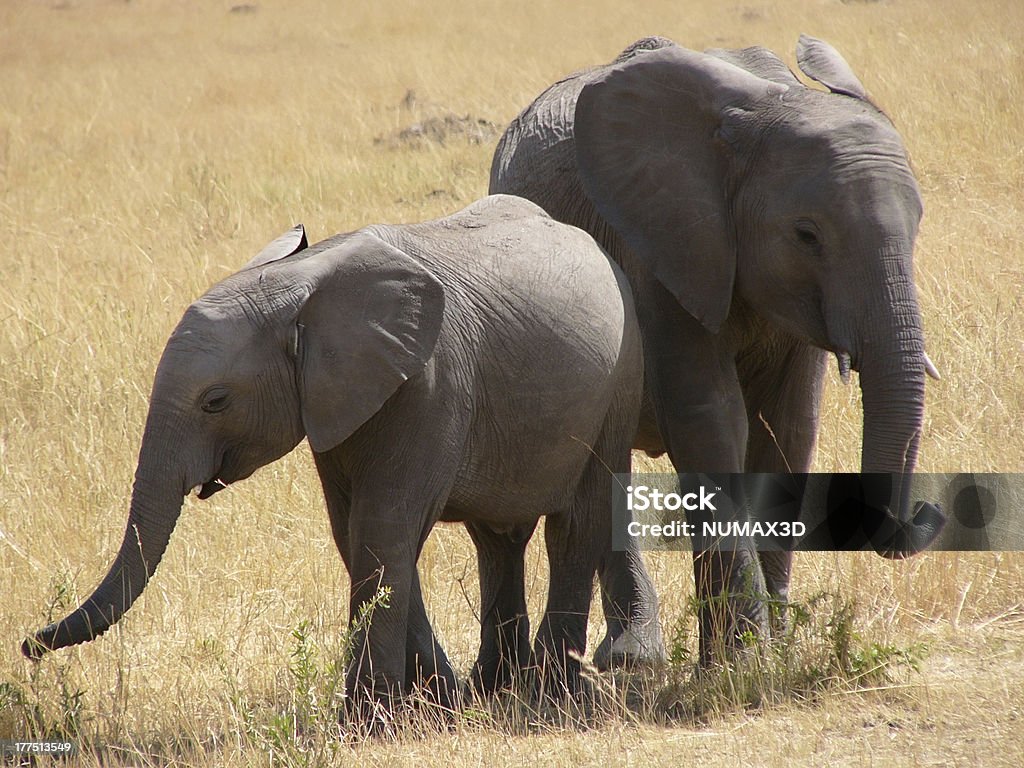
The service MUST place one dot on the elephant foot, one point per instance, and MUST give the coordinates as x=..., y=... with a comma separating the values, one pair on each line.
x=731, y=629
x=431, y=686
x=377, y=705
x=438, y=697
x=373, y=714
x=558, y=677
x=633, y=646
x=778, y=618
x=732, y=603
x=489, y=676
x=370, y=715
x=505, y=652
x=896, y=540
x=562, y=685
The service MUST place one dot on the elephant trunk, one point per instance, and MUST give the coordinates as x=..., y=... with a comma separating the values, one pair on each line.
x=892, y=388
x=892, y=371
x=157, y=498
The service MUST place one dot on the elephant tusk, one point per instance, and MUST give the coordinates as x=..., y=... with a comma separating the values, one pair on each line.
x=843, y=359
x=930, y=369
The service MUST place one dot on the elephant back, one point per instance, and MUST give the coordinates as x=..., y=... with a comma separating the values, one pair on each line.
x=536, y=155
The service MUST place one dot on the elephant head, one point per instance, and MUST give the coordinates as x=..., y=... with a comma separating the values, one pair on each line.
x=301, y=342
x=737, y=185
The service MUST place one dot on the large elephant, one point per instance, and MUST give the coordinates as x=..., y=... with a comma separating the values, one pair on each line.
x=478, y=368
x=762, y=224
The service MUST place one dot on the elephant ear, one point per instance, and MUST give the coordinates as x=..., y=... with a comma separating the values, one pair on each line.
x=823, y=63
x=370, y=323
x=291, y=242
x=757, y=61
x=652, y=160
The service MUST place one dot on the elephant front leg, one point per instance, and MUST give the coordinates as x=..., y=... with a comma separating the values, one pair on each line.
x=382, y=576
x=386, y=530
x=692, y=380
x=427, y=667
x=783, y=394
x=371, y=682
x=504, y=622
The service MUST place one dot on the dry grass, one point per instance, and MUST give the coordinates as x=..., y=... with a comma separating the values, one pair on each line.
x=147, y=149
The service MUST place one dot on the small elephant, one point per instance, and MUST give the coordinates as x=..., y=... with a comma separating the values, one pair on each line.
x=762, y=224
x=482, y=368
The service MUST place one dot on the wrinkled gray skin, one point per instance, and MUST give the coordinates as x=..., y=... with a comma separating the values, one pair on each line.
x=761, y=224
x=478, y=368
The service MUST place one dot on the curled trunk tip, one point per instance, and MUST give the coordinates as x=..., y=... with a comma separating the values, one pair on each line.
x=77, y=627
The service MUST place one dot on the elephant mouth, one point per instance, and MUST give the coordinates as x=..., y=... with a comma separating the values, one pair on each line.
x=845, y=363
x=231, y=471
x=216, y=483
x=210, y=487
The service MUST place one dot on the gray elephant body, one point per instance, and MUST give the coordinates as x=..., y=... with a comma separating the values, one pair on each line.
x=761, y=224
x=480, y=368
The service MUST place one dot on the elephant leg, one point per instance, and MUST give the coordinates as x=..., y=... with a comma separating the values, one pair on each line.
x=427, y=667
x=504, y=622
x=383, y=667
x=777, y=568
x=426, y=664
x=577, y=540
x=562, y=635
x=783, y=394
x=630, y=605
x=693, y=382
x=382, y=580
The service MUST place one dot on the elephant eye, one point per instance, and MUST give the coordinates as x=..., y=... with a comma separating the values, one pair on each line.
x=214, y=400
x=807, y=235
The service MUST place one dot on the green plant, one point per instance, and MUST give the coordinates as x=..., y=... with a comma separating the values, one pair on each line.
x=303, y=727
x=820, y=649
x=50, y=703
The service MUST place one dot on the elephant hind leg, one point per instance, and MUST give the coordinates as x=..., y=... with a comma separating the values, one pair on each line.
x=628, y=596
x=562, y=635
x=504, y=622
x=578, y=540
x=630, y=606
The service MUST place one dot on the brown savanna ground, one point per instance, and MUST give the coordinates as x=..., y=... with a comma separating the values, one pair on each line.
x=148, y=149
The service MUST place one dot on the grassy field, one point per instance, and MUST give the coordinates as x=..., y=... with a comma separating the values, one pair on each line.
x=148, y=149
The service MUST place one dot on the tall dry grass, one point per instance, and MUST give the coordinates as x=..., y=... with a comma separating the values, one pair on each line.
x=148, y=149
